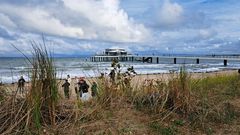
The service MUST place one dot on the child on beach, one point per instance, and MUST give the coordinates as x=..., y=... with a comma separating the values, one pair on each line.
x=21, y=83
x=66, y=89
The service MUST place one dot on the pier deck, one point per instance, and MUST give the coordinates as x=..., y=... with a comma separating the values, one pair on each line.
x=156, y=59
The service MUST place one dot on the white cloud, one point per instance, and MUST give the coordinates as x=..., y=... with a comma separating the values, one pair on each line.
x=5, y=21
x=4, y=46
x=93, y=19
x=106, y=23
x=109, y=21
x=38, y=20
x=206, y=33
x=1, y=42
x=170, y=13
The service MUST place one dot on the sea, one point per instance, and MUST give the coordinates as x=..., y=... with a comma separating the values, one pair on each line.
x=12, y=68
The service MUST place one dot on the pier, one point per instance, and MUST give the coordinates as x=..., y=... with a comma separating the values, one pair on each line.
x=157, y=59
x=123, y=56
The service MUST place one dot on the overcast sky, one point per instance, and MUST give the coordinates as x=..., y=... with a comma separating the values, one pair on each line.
x=77, y=27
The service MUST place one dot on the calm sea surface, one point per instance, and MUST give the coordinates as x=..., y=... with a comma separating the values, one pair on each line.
x=12, y=68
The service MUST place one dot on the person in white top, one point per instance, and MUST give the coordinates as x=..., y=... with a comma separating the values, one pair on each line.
x=69, y=79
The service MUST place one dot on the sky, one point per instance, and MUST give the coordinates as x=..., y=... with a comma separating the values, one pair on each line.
x=80, y=27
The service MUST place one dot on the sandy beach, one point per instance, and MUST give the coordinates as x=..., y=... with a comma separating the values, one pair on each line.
x=137, y=80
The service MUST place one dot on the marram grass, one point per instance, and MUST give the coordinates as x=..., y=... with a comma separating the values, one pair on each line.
x=195, y=103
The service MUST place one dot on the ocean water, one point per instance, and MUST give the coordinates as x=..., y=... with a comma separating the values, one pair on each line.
x=12, y=68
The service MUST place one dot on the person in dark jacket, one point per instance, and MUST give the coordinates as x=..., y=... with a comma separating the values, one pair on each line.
x=21, y=83
x=83, y=86
x=94, y=89
x=112, y=76
x=66, y=89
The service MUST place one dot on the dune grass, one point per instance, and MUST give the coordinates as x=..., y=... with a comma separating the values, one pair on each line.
x=37, y=109
x=198, y=103
x=181, y=104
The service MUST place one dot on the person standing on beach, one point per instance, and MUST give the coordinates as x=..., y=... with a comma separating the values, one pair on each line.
x=66, y=89
x=77, y=89
x=21, y=83
x=112, y=75
x=75, y=82
x=94, y=89
x=83, y=86
x=70, y=82
x=69, y=79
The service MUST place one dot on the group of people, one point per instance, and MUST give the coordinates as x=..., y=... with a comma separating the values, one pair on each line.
x=81, y=88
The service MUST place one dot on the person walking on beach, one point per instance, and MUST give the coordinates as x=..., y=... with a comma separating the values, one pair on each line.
x=21, y=83
x=83, y=86
x=112, y=75
x=94, y=89
x=66, y=89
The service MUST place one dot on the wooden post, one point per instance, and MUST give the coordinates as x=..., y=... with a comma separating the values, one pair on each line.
x=197, y=60
x=225, y=62
x=175, y=61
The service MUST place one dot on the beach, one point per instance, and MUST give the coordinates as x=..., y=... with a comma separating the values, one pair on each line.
x=136, y=81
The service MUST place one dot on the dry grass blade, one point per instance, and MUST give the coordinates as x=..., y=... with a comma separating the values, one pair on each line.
x=39, y=107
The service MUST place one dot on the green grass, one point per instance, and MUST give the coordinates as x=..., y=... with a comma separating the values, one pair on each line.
x=195, y=103
x=159, y=129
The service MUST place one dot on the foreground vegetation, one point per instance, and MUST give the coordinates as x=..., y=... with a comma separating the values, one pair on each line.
x=180, y=105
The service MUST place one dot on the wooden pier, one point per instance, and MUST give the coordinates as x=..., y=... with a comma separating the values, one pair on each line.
x=156, y=59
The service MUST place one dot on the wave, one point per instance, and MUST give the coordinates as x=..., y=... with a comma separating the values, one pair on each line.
x=76, y=67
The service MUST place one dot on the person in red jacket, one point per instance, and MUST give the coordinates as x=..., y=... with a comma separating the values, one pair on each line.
x=83, y=86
